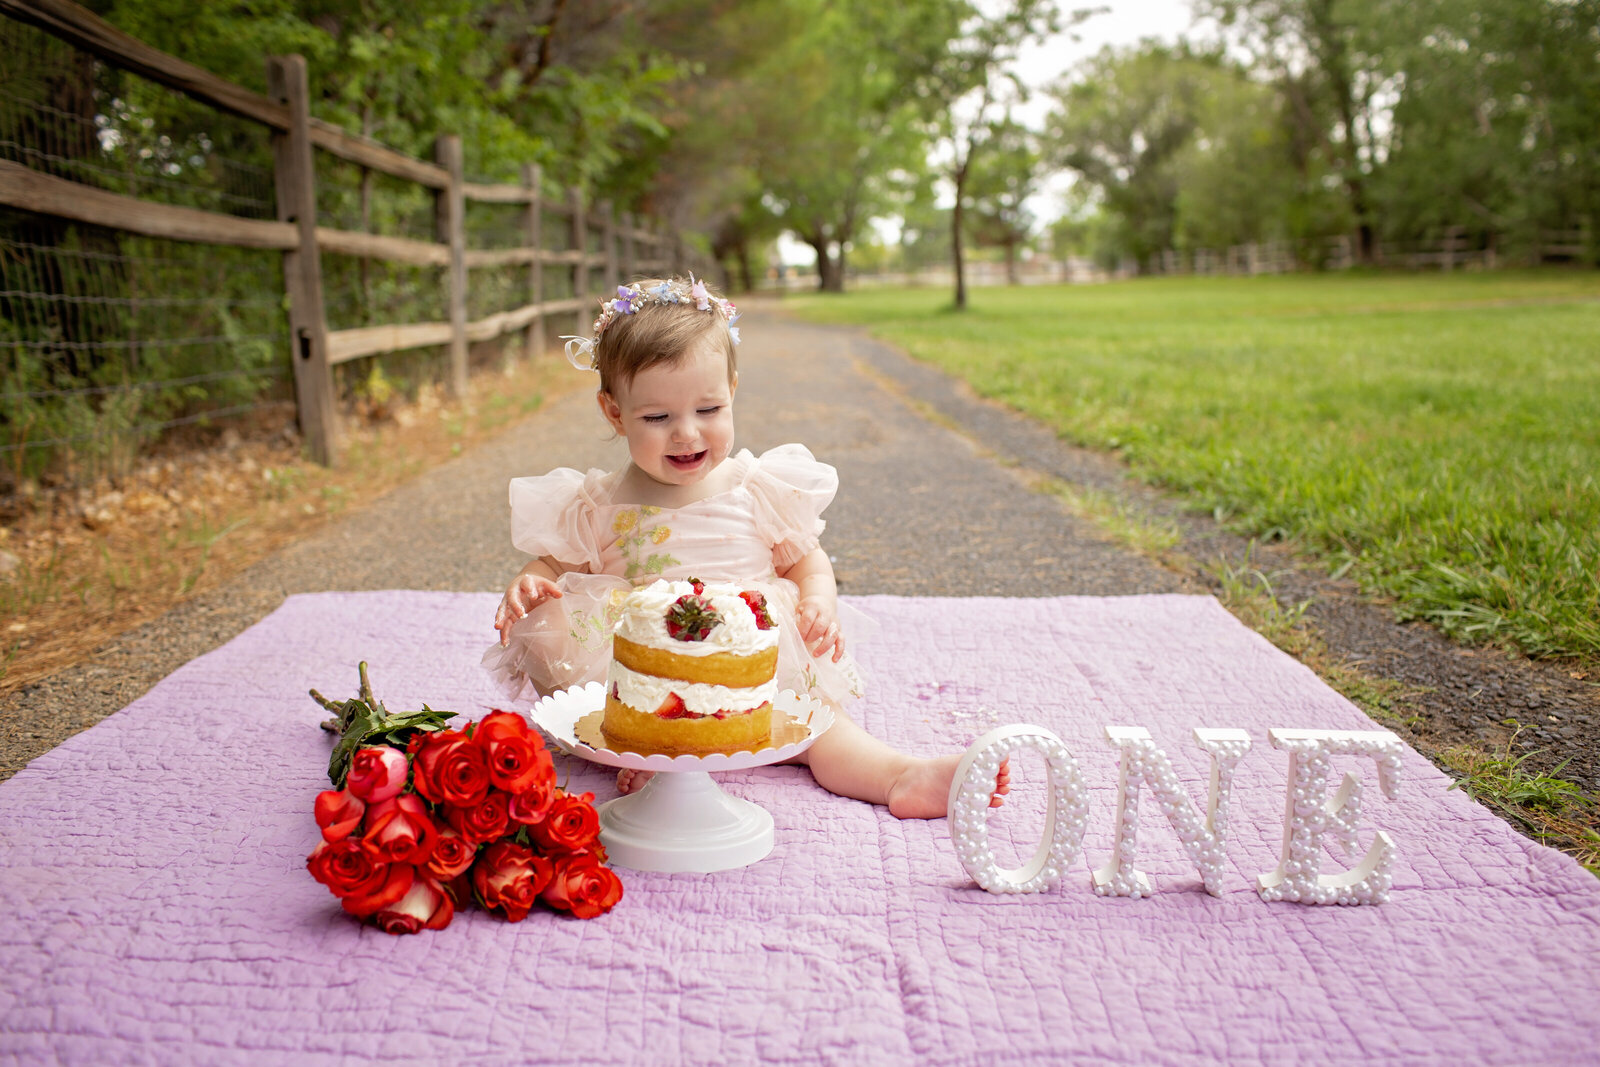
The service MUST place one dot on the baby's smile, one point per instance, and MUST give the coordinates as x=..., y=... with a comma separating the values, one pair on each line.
x=687, y=461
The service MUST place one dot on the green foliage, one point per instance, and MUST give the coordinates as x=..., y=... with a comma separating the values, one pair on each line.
x=1438, y=436
x=1497, y=127
x=999, y=183
x=1503, y=780
x=1550, y=808
x=363, y=720
x=1124, y=122
x=843, y=118
x=1394, y=119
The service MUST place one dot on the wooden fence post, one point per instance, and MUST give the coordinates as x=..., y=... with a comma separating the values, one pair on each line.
x=580, y=241
x=294, y=175
x=450, y=210
x=533, y=233
x=608, y=243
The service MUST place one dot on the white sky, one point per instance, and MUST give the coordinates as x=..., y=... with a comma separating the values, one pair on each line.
x=1126, y=22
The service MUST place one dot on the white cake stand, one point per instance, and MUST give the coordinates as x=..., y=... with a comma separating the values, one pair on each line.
x=681, y=820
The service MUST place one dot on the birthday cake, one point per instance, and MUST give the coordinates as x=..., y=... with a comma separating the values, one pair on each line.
x=691, y=670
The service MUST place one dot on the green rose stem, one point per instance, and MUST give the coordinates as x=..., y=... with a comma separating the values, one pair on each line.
x=363, y=720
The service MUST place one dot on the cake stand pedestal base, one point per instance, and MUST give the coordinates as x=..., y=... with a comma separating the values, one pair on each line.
x=683, y=821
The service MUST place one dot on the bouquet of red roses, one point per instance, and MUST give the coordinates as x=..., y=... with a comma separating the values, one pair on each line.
x=427, y=816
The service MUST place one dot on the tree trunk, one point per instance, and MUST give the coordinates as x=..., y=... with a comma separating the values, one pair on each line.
x=819, y=245
x=742, y=254
x=1012, y=278
x=957, y=221
x=1332, y=52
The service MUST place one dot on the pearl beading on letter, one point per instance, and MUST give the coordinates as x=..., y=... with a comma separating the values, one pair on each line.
x=1308, y=817
x=1064, y=821
x=1140, y=760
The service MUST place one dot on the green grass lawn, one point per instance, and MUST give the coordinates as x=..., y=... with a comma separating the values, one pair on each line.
x=1437, y=435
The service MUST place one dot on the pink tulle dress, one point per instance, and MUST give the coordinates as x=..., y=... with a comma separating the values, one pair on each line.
x=769, y=519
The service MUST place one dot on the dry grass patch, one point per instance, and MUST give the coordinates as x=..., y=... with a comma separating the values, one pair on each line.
x=79, y=566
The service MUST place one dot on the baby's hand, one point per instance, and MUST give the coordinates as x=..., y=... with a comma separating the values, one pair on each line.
x=819, y=628
x=525, y=594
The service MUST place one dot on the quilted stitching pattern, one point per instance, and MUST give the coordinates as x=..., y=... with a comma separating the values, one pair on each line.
x=154, y=905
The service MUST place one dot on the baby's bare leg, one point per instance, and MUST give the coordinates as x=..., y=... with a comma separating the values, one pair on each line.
x=850, y=762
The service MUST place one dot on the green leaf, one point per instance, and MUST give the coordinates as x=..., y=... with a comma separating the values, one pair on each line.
x=365, y=722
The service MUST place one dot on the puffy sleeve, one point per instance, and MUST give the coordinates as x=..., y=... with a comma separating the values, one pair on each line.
x=791, y=489
x=554, y=515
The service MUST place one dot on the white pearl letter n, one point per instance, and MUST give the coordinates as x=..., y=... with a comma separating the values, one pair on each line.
x=1140, y=760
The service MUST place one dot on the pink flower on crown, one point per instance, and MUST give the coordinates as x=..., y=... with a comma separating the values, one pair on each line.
x=702, y=299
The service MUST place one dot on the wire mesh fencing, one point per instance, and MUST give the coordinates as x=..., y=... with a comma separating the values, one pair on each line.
x=110, y=339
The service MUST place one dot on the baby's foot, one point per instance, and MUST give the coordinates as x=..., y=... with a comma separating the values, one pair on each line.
x=632, y=781
x=922, y=791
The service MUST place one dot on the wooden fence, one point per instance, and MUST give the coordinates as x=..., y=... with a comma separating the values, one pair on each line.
x=1451, y=249
x=625, y=246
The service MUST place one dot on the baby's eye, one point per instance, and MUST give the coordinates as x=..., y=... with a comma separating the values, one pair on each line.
x=711, y=410
x=655, y=418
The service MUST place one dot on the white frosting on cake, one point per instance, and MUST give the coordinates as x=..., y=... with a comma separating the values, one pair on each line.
x=646, y=692
x=644, y=621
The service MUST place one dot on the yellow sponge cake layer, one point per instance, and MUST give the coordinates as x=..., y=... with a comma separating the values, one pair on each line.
x=720, y=668
x=630, y=730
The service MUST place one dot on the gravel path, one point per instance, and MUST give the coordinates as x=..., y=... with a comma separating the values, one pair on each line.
x=935, y=499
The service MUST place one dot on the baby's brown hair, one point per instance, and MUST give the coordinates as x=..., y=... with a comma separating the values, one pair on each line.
x=657, y=332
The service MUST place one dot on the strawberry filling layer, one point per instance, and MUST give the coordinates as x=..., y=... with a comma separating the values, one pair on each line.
x=673, y=698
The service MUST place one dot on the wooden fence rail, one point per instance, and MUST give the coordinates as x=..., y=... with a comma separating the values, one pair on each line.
x=626, y=248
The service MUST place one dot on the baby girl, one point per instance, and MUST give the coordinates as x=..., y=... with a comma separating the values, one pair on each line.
x=686, y=505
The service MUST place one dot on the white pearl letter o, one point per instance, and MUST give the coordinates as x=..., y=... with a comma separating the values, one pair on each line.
x=1064, y=819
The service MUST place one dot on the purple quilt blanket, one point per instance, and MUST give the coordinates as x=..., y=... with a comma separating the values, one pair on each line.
x=155, y=907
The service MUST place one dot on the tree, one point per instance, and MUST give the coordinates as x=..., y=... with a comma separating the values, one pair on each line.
x=999, y=184
x=974, y=77
x=843, y=115
x=1495, y=126
x=1235, y=181
x=1122, y=121
x=1327, y=58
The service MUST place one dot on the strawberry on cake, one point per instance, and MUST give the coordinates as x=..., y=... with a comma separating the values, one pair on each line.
x=692, y=668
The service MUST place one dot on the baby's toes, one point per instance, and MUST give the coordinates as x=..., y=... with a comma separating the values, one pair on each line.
x=629, y=781
x=1002, y=785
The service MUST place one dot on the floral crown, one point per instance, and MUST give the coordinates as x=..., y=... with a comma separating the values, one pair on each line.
x=630, y=298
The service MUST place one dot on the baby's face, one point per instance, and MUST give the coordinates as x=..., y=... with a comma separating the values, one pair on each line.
x=677, y=418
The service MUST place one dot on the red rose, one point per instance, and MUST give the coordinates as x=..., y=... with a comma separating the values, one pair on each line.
x=400, y=831
x=396, y=884
x=481, y=822
x=516, y=758
x=452, y=855
x=346, y=868
x=338, y=813
x=570, y=826
x=582, y=886
x=377, y=773
x=425, y=906
x=509, y=877
x=450, y=769
x=532, y=804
